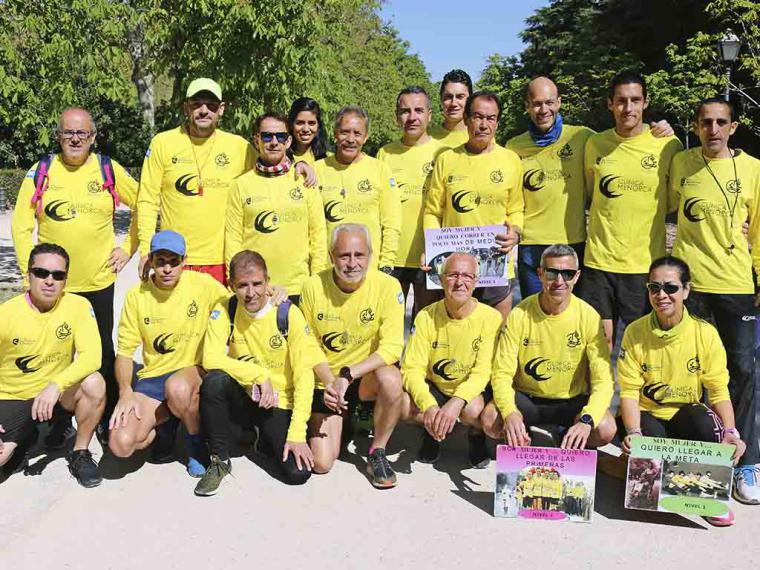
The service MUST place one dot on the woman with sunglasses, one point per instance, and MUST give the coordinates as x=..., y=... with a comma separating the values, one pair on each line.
x=308, y=131
x=666, y=360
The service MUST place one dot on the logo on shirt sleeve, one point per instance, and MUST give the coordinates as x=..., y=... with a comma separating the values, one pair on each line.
x=400, y=298
x=214, y=315
x=147, y=153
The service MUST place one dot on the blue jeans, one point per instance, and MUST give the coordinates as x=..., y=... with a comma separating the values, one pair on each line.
x=528, y=260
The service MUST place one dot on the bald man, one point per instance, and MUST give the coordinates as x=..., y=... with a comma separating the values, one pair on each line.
x=70, y=198
x=552, y=155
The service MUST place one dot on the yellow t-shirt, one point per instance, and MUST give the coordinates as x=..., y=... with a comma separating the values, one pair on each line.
x=283, y=221
x=77, y=214
x=351, y=326
x=553, y=187
x=626, y=183
x=258, y=352
x=449, y=139
x=664, y=370
x=553, y=356
x=363, y=193
x=189, y=180
x=168, y=324
x=411, y=167
x=454, y=354
x=61, y=346
x=710, y=219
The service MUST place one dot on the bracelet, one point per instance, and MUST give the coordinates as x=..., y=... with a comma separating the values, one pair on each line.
x=634, y=431
x=733, y=431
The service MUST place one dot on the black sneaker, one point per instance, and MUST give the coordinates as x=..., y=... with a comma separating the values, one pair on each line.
x=60, y=431
x=430, y=450
x=84, y=469
x=213, y=477
x=380, y=472
x=162, y=448
x=479, y=458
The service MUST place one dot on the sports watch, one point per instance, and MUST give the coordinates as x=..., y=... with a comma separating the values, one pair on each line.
x=345, y=372
x=387, y=269
x=588, y=420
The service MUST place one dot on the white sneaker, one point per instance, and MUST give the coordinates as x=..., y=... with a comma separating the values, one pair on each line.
x=747, y=484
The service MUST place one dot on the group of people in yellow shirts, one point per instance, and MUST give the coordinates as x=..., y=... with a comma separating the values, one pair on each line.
x=274, y=293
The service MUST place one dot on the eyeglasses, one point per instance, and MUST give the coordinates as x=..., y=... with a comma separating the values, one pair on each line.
x=212, y=106
x=669, y=288
x=466, y=277
x=281, y=137
x=567, y=274
x=42, y=273
x=68, y=135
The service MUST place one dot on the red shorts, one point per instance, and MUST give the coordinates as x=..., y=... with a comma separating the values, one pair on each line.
x=216, y=271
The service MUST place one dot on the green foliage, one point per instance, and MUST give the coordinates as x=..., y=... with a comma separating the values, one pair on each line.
x=10, y=182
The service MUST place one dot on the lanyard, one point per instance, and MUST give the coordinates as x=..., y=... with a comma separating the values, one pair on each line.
x=200, y=167
x=731, y=209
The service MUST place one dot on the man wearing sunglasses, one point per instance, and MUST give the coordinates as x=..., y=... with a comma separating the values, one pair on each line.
x=447, y=365
x=49, y=357
x=189, y=170
x=273, y=213
x=552, y=365
x=74, y=207
x=715, y=189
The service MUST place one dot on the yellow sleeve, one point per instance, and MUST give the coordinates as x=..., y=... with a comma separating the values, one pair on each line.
x=215, y=356
x=233, y=225
x=754, y=222
x=129, y=338
x=714, y=376
x=600, y=370
x=516, y=201
x=416, y=357
x=480, y=374
x=433, y=215
x=251, y=155
x=149, y=196
x=505, y=365
x=23, y=222
x=628, y=371
x=674, y=187
x=390, y=218
x=88, y=350
x=304, y=354
x=126, y=189
x=588, y=170
x=392, y=323
x=317, y=232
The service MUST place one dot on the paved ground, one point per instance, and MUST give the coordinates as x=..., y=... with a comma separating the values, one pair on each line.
x=146, y=516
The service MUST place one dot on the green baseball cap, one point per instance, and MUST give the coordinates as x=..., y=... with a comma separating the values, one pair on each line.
x=203, y=84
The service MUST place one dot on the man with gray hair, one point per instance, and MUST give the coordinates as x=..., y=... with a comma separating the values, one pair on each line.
x=360, y=189
x=447, y=365
x=552, y=365
x=357, y=316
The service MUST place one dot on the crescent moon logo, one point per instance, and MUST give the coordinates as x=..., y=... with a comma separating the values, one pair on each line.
x=51, y=211
x=531, y=369
x=688, y=209
x=334, y=342
x=22, y=363
x=159, y=344
x=456, y=201
x=181, y=185
x=260, y=222
x=439, y=368
x=655, y=392
x=330, y=214
x=604, y=186
x=533, y=180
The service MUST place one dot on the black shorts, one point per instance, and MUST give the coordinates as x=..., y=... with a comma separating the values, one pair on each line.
x=548, y=411
x=352, y=397
x=16, y=419
x=409, y=275
x=615, y=295
x=442, y=398
x=492, y=296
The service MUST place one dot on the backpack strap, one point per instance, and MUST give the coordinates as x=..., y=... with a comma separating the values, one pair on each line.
x=109, y=179
x=41, y=181
x=283, y=318
x=232, y=304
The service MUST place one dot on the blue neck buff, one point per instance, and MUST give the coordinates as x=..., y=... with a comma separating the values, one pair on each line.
x=549, y=137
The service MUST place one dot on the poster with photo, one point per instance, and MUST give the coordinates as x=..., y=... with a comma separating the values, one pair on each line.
x=679, y=476
x=545, y=483
x=477, y=240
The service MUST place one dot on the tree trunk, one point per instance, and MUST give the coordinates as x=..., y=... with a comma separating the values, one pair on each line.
x=142, y=78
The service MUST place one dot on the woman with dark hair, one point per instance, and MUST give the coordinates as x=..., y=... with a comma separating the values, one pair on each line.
x=666, y=360
x=308, y=130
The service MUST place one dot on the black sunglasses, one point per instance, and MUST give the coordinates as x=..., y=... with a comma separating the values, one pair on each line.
x=567, y=274
x=41, y=273
x=266, y=136
x=669, y=288
x=212, y=106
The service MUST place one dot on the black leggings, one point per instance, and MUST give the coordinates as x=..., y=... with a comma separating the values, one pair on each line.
x=224, y=401
x=695, y=422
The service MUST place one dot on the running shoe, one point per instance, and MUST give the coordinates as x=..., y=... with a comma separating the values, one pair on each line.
x=380, y=472
x=430, y=450
x=746, y=484
x=84, y=469
x=721, y=520
x=213, y=477
x=478, y=452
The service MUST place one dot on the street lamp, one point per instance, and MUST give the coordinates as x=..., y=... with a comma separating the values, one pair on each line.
x=728, y=47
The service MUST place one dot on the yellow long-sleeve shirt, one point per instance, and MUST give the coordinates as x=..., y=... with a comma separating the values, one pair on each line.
x=257, y=352
x=282, y=220
x=189, y=180
x=664, y=370
x=626, y=184
x=449, y=139
x=710, y=219
x=77, y=214
x=553, y=187
x=411, y=167
x=169, y=325
x=553, y=356
x=362, y=192
x=351, y=326
x=454, y=354
x=60, y=346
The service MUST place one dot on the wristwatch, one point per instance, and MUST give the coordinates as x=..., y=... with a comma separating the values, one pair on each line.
x=588, y=420
x=387, y=269
x=345, y=372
